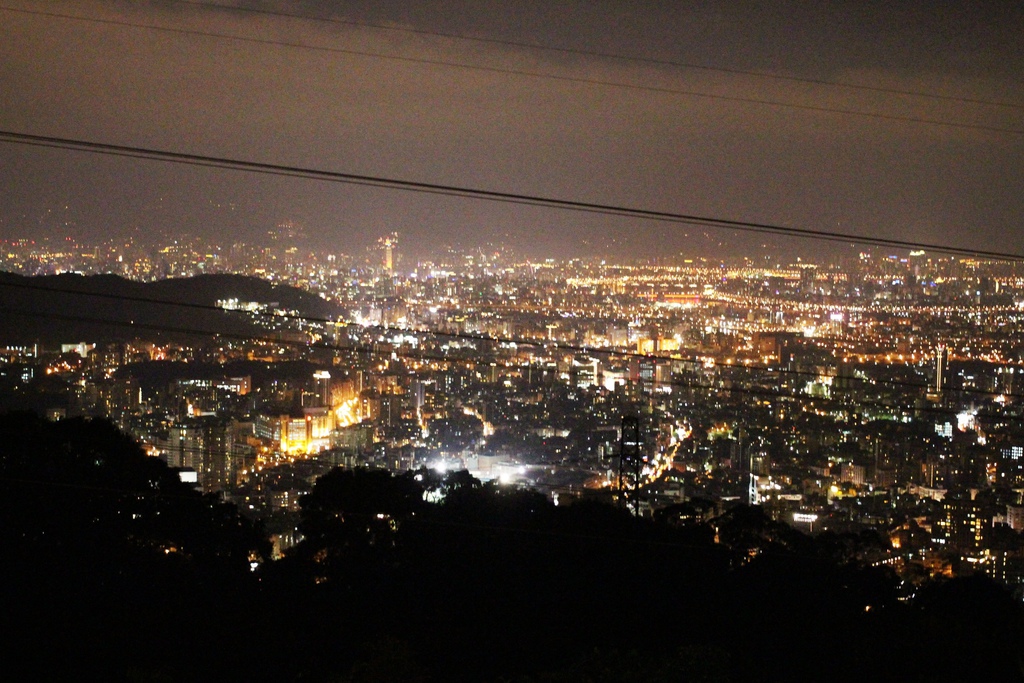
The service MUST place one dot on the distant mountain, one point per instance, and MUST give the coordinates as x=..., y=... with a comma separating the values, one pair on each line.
x=71, y=308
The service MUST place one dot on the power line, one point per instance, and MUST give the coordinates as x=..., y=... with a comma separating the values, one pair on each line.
x=602, y=55
x=534, y=74
x=546, y=345
x=487, y=195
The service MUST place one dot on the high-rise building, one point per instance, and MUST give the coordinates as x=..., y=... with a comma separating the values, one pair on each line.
x=286, y=233
x=284, y=241
x=962, y=525
x=389, y=248
x=323, y=388
x=941, y=369
x=205, y=445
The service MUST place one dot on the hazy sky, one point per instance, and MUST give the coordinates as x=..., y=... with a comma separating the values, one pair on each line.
x=371, y=88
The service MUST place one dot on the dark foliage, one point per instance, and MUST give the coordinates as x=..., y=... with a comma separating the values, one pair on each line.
x=122, y=573
x=108, y=558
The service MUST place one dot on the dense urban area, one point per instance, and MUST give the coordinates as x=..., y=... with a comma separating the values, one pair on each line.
x=872, y=403
x=511, y=342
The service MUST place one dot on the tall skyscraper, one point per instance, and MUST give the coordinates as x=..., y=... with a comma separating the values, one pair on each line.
x=323, y=388
x=941, y=369
x=284, y=241
x=389, y=248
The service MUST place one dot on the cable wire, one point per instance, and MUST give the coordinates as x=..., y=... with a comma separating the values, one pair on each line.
x=602, y=55
x=535, y=74
x=488, y=195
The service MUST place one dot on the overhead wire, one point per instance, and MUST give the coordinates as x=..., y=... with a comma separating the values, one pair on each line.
x=535, y=74
x=494, y=196
x=200, y=160
x=241, y=9
x=387, y=182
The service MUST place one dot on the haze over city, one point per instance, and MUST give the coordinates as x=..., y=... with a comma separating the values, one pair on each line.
x=898, y=121
x=535, y=342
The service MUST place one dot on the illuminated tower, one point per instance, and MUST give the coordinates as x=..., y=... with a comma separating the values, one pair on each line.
x=941, y=369
x=389, y=246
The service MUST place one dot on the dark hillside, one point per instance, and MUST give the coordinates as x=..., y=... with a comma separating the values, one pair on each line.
x=69, y=308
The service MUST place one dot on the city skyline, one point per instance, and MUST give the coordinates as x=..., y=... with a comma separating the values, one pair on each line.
x=381, y=91
x=844, y=438
x=461, y=340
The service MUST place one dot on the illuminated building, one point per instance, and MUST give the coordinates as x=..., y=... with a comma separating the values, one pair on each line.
x=206, y=446
x=389, y=246
x=1015, y=517
x=322, y=390
x=962, y=524
x=941, y=369
x=297, y=433
x=853, y=474
x=355, y=438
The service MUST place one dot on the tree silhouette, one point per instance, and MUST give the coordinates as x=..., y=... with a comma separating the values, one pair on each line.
x=107, y=554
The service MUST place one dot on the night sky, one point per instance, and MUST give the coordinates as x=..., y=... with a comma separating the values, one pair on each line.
x=384, y=94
